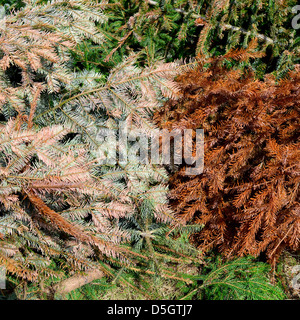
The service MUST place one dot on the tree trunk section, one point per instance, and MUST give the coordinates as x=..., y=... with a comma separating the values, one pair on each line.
x=73, y=283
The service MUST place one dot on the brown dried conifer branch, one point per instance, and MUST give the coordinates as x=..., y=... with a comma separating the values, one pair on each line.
x=248, y=195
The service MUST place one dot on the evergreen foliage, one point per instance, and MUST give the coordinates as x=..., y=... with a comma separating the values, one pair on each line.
x=240, y=279
x=182, y=29
x=70, y=70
